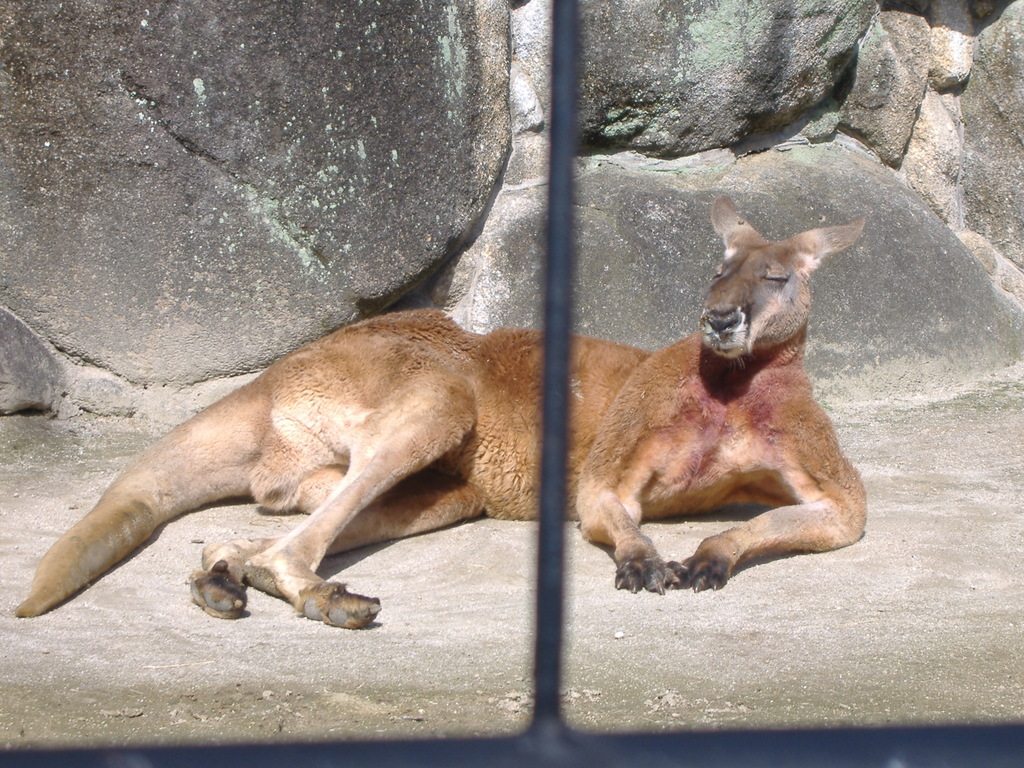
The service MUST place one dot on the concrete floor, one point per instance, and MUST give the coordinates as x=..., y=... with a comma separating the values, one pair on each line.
x=921, y=622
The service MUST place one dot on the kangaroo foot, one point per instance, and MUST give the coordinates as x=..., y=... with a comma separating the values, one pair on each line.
x=705, y=572
x=218, y=592
x=650, y=573
x=333, y=604
x=311, y=596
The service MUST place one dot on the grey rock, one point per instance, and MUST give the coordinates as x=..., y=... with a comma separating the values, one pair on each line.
x=952, y=44
x=889, y=82
x=822, y=122
x=528, y=161
x=527, y=113
x=907, y=308
x=993, y=113
x=30, y=375
x=497, y=281
x=191, y=189
x=933, y=160
x=905, y=6
x=681, y=76
x=530, y=30
x=1004, y=274
x=101, y=393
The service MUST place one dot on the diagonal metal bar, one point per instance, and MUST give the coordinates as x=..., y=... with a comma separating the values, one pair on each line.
x=557, y=340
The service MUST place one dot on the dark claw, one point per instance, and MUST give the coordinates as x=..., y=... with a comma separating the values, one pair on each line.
x=705, y=572
x=651, y=573
x=629, y=576
x=679, y=575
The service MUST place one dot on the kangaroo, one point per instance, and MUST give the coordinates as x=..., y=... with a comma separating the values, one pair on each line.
x=406, y=423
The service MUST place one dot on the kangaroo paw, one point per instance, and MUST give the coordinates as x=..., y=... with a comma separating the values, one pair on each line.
x=334, y=605
x=706, y=572
x=218, y=592
x=650, y=573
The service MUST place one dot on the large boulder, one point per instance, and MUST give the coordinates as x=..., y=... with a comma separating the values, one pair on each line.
x=889, y=83
x=190, y=189
x=993, y=113
x=907, y=308
x=680, y=76
x=30, y=376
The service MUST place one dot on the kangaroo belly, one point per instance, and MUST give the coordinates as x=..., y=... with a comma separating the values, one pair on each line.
x=502, y=456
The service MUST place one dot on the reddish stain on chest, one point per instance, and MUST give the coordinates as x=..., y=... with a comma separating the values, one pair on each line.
x=713, y=441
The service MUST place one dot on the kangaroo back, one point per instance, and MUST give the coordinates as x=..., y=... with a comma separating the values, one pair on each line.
x=204, y=460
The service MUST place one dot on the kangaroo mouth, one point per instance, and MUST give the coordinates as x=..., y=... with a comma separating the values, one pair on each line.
x=725, y=335
x=725, y=347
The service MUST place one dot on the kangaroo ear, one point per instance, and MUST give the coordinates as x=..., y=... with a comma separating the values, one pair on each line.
x=734, y=229
x=818, y=244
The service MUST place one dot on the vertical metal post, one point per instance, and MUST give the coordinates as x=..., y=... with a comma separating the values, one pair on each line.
x=557, y=329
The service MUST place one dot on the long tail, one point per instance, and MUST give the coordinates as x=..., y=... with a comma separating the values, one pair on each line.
x=204, y=460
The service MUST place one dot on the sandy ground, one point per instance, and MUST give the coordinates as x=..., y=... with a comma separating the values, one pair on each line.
x=921, y=622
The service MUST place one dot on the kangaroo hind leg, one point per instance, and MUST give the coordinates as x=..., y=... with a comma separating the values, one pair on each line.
x=415, y=428
x=426, y=501
x=219, y=587
x=292, y=474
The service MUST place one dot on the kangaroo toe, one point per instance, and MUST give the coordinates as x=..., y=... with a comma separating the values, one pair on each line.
x=650, y=573
x=706, y=572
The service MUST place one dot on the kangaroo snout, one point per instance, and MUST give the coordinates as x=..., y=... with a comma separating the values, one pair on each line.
x=722, y=320
x=723, y=329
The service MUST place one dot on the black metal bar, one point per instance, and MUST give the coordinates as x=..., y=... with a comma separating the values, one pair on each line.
x=557, y=339
x=935, y=747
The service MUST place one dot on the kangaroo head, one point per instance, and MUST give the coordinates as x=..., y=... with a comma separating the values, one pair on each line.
x=759, y=297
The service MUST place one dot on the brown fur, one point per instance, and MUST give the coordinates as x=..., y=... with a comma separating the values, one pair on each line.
x=406, y=423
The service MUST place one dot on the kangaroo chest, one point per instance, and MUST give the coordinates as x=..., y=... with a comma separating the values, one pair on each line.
x=715, y=451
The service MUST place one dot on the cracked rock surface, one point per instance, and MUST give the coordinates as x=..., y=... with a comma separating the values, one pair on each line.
x=190, y=189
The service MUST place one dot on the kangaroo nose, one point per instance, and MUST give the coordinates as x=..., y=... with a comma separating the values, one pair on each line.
x=723, y=321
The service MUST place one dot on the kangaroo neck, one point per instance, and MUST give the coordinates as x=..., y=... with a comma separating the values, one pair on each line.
x=730, y=376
